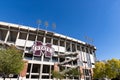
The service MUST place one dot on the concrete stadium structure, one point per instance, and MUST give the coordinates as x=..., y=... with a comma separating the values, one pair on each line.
x=56, y=52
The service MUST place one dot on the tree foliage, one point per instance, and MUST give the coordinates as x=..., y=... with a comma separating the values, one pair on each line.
x=57, y=75
x=73, y=72
x=10, y=61
x=109, y=69
x=99, y=70
x=113, y=68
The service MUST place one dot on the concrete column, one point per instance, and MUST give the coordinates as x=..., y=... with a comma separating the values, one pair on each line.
x=70, y=46
x=81, y=56
x=7, y=35
x=89, y=58
x=76, y=47
x=24, y=71
x=42, y=57
x=94, y=55
x=85, y=56
x=91, y=72
x=17, y=37
x=50, y=72
x=65, y=46
x=30, y=70
x=36, y=35
x=82, y=74
x=0, y=35
x=25, y=43
x=41, y=68
x=56, y=68
x=44, y=37
x=58, y=48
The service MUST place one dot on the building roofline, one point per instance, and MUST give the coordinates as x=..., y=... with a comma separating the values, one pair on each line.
x=55, y=34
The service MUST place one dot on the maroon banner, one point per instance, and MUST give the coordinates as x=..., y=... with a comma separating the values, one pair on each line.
x=38, y=49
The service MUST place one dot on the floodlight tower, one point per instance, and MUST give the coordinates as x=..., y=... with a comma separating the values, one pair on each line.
x=38, y=23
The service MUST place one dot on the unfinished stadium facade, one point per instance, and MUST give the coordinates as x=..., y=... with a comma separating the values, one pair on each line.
x=46, y=51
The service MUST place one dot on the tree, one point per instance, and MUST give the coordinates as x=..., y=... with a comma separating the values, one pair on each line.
x=57, y=75
x=113, y=68
x=109, y=69
x=74, y=72
x=10, y=61
x=99, y=70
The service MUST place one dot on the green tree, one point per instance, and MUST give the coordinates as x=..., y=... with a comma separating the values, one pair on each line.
x=57, y=75
x=109, y=69
x=113, y=68
x=10, y=61
x=74, y=72
x=99, y=70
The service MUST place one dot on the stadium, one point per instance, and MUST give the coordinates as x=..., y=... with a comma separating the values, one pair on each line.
x=46, y=51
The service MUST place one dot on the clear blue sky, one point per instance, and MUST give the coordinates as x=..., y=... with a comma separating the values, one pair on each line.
x=98, y=19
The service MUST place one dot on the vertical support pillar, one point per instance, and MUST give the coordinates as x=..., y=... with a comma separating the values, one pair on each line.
x=86, y=66
x=91, y=73
x=58, y=44
x=51, y=60
x=24, y=71
x=94, y=55
x=41, y=68
x=82, y=63
x=90, y=63
x=76, y=47
x=65, y=45
x=85, y=56
x=42, y=57
x=50, y=72
x=71, y=51
x=52, y=44
x=31, y=70
x=17, y=36
x=58, y=48
x=81, y=56
x=82, y=73
x=70, y=46
x=44, y=38
x=7, y=35
x=56, y=68
x=25, y=43
x=0, y=35
x=36, y=35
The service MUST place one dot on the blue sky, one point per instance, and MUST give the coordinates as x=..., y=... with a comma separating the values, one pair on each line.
x=98, y=19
